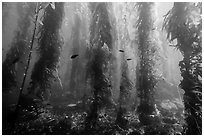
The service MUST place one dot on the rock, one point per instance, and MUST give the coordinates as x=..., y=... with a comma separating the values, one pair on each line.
x=168, y=105
x=169, y=120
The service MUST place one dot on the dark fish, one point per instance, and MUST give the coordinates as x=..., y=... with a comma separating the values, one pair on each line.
x=74, y=56
x=129, y=59
x=153, y=28
x=121, y=50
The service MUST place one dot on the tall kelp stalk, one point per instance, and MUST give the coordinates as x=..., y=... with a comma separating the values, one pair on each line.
x=100, y=55
x=125, y=84
x=49, y=48
x=125, y=87
x=19, y=46
x=183, y=24
x=147, y=56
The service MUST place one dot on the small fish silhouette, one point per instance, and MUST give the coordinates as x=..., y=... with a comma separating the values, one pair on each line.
x=129, y=59
x=121, y=50
x=74, y=56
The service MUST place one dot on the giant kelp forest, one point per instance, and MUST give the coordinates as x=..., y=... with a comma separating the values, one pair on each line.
x=102, y=68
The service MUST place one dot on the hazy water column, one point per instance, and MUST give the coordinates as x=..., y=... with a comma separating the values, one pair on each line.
x=17, y=54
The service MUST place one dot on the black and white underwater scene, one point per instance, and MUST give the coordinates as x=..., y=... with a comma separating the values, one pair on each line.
x=102, y=68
